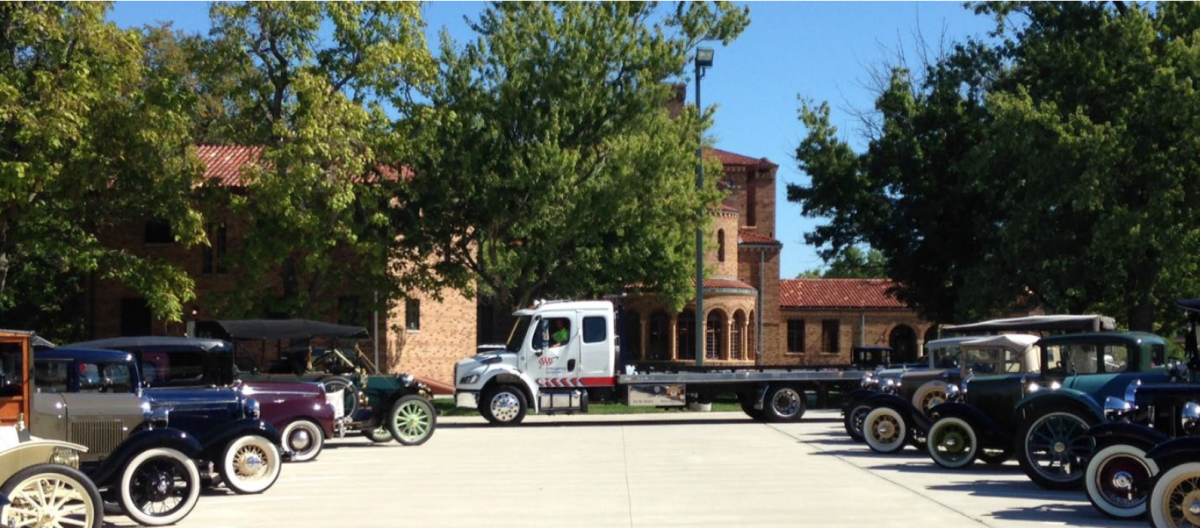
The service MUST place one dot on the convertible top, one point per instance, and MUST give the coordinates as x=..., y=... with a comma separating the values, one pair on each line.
x=1011, y=341
x=151, y=343
x=265, y=329
x=1077, y=323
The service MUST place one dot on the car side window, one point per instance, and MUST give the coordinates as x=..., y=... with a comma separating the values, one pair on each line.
x=1079, y=359
x=50, y=376
x=105, y=378
x=1116, y=358
x=595, y=329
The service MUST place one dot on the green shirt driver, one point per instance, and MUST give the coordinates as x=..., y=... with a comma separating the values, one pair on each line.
x=561, y=334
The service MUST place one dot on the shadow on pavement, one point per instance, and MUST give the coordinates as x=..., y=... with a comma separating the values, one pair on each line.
x=1006, y=488
x=927, y=466
x=1069, y=514
x=865, y=452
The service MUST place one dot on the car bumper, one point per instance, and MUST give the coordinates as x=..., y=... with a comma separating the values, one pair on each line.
x=466, y=399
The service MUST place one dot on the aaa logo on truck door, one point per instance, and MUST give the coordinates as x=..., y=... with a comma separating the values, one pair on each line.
x=546, y=361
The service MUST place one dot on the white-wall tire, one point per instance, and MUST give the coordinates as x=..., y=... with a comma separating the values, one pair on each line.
x=929, y=395
x=184, y=473
x=250, y=464
x=1102, y=489
x=952, y=443
x=304, y=439
x=884, y=430
x=1161, y=501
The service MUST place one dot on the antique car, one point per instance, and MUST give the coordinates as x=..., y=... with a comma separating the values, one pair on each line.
x=1045, y=416
x=301, y=411
x=40, y=480
x=100, y=393
x=382, y=406
x=1174, y=493
x=1119, y=476
x=896, y=419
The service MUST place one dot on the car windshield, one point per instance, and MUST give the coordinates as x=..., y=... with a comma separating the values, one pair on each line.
x=517, y=336
x=946, y=358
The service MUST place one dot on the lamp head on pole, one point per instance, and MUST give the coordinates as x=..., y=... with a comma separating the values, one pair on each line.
x=704, y=57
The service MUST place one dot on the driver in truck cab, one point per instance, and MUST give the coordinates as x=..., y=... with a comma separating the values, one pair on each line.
x=560, y=333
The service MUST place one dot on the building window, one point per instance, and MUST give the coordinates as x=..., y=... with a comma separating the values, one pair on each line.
x=721, y=245
x=736, y=347
x=658, y=338
x=751, y=342
x=795, y=335
x=136, y=318
x=412, y=315
x=214, y=252
x=685, y=336
x=714, y=335
x=631, y=342
x=751, y=200
x=158, y=231
x=830, y=330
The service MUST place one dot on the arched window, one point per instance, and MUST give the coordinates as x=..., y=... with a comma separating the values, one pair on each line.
x=685, y=336
x=658, y=342
x=721, y=245
x=714, y=335
x=632, y=340
x=751, y=344
x=737, y=348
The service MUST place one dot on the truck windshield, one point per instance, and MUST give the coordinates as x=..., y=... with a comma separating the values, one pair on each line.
x=520, y=329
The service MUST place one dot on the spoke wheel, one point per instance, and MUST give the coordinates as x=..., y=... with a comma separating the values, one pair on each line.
x=952, y=443
x=159, y=486
x=884, y=430
x=412, y=420
x=1055, y=449
x=929, y=395
x=51, y=496
x=853, y=421
x=1175, y=499
x=251, y=464
x=1118, y=479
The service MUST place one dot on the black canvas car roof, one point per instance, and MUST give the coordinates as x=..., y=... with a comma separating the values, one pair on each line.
x=268, y=329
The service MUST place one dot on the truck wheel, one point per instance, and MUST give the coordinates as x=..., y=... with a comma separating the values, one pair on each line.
x=852, y=420
x=783, y=404
x=952, y=443
x=1174, y=497
x=412, y=420
x=1054, y=448
x=158, y=487
x=250, y=464
x=74, y=499
x=884, y=430
x=503, y=405
x=1117, y=478
x=304, y=438
x=929, y=395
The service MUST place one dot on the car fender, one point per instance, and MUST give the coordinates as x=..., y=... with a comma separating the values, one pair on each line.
x=509, y=374
x=1109, y=433
x=110, y=469
x=913, y=418
x=1079, y=401
x=1175, y=451
x=982, y=423
x=215, y=444
x=856, y=397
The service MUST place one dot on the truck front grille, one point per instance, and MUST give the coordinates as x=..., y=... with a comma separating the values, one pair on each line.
x=100, y=436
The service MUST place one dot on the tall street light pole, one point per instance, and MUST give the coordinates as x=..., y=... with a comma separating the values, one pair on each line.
x=704, y=60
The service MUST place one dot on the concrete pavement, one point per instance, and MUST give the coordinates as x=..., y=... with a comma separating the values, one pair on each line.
x=675, y=469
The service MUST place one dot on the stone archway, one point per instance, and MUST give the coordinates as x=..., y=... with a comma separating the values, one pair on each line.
x=903, y=341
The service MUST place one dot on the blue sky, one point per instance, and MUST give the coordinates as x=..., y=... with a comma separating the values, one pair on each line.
x=818, y=50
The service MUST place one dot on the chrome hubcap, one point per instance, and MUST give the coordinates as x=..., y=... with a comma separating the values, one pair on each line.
x=505, y=407
x=1059, y=447
x=301, y=440
x=786, y=403
x=1122, y=480
x=1194, y=508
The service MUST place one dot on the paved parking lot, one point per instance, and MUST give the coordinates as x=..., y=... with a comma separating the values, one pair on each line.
x=681, y=469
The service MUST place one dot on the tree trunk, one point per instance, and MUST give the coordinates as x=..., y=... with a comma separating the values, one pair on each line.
x=1141, y=315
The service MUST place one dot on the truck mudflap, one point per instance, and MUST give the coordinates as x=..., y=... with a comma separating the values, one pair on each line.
x=914, y=419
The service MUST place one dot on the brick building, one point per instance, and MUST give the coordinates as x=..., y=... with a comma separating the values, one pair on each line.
x=419, y=335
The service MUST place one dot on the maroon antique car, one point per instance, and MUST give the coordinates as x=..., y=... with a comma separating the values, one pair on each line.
x=300, y=411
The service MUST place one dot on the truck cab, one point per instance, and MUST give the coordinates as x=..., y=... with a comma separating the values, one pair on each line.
x=557, y=354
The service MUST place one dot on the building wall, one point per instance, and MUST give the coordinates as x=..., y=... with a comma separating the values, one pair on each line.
x=724, y=223
x=446, y=334
x=878, y=328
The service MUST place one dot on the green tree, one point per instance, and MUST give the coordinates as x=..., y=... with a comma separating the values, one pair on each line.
x=550, y=165
x=90, y=136
x=852, y=263
x=322, y=106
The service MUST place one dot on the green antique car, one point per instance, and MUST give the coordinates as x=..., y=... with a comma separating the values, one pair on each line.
x=1045, y=416
x=382, y=406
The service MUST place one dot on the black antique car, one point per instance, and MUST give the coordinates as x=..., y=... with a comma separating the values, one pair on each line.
x=1045, y=416
x=382, y=406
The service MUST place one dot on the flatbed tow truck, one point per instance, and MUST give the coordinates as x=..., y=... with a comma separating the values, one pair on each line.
x=562, y=355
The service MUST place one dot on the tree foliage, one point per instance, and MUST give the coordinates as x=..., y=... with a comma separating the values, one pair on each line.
x=548, y=161
x=90, y=136
x=851, y=263
x=1056, y=161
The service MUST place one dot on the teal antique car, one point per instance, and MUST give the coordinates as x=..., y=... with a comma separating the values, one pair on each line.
x=1045, y=416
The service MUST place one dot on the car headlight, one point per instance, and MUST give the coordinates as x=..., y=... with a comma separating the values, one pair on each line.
x=469, y=380
x=868, y=381
x=953, y=393
x=1191, y=417
x=65, y=457
x=1032, y=387
x=1116, y=408
x=888, y=385
x=407, y=379
x=253, y=409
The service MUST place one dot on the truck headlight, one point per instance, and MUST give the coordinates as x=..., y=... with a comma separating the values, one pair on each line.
x=253, y=409
x=65, y=457
x=468, y=380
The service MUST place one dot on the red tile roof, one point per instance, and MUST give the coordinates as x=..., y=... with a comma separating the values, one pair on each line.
x=224, y=163
x=725, y=283
x=838, y=294
x=750, y=236
x=730, y=158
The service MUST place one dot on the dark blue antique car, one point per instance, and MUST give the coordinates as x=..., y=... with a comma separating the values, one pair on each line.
x=236, y=447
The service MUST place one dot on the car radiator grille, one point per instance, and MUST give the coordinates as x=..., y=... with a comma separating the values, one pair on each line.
x=100, y=436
